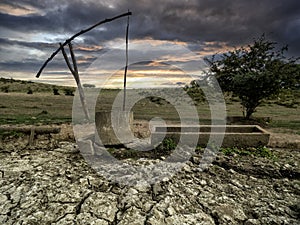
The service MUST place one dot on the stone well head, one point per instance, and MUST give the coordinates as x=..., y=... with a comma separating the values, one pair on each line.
x=113, y=127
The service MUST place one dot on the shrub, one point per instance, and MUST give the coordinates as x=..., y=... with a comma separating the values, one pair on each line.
x=5, y=89
x=259, y=151
x=55, y=91
x=69, y=92
x=167, y=144
x=30, y=92
x=89, y=85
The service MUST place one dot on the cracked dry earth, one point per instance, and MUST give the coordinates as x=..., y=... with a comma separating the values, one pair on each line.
x=50, y=183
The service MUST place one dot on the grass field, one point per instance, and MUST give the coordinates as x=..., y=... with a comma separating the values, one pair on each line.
x=43, y=107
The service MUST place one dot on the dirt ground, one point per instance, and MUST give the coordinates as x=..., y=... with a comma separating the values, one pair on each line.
x=51, y=183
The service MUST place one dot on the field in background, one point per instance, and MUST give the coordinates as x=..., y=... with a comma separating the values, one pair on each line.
x=43, y=107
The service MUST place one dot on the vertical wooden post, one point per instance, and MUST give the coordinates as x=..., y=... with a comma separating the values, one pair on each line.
x=126, y=65
x=75, y=74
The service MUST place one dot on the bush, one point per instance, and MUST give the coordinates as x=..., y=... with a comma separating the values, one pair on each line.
x=30, y=92
x=259, y=151
x=167, y=144
x=55, y=91
x=69, y=92
x=44, y=112
x=5, y=89
x=89, y=85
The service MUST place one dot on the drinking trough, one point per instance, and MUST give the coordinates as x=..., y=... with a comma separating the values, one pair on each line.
x=234, y=135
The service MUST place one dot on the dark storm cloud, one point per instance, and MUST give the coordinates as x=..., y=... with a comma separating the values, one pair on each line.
x=203, y=24
x=36, y=45
x=231, y=21
x=16, y=66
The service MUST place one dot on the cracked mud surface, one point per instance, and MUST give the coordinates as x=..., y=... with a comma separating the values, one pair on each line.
x=51, y=183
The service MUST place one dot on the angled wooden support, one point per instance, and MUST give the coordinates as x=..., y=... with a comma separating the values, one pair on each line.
x=75, y=73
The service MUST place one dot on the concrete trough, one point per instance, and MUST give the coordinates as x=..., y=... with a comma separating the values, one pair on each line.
x=234, y=136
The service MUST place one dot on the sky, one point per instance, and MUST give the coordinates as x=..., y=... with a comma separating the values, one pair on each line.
x=168, y=39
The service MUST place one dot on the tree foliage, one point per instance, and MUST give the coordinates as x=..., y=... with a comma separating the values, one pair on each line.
x=195, y=92
x=255, y=72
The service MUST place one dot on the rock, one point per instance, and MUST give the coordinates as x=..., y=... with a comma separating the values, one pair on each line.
x=198, y=218
x=156, y=217
x=87, y=218
x=187, y=168
x=196, y=160
x=3, y=219
x=142, y=186
x=170, y=211
x=252, y=222
x=67, y=219
x=103, y=205
x=203, y=182
x=67, y=147
x=232, y=214
x=157, y=189
x=132, y=216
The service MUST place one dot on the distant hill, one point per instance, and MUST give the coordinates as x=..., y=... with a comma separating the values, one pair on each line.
x=21, y=86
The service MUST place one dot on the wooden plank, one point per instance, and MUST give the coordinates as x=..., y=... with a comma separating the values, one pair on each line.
x=28, y=130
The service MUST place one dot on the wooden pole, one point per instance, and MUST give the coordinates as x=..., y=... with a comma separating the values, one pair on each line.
x=75, y=74
x=126, y=65
x=76, y=35
x=28, y=130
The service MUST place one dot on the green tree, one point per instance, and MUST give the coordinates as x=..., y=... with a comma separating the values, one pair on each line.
x=255, y=72
x=195, y=92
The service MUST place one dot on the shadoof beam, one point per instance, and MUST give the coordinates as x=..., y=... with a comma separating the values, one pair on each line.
x=76, y=35
x=74, y=70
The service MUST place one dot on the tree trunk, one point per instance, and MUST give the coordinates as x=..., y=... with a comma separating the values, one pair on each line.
x=249, y=112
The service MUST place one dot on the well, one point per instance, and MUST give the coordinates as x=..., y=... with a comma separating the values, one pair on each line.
x=105, y=134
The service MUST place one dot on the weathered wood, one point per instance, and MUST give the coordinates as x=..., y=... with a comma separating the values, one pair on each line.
x=29, y=130
x=76, y=35
x=75, y=74
x=31, y=137
x=66, y=58
x=126, y=65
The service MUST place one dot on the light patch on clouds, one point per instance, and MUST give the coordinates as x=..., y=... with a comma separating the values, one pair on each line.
x=52, y=38
x=88, y=48
x=152, y=62
x=9, y=55
x=19, y=9
x=212, y=48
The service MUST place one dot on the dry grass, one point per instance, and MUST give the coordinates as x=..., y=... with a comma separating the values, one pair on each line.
x=36, y=108
x=45, y=108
